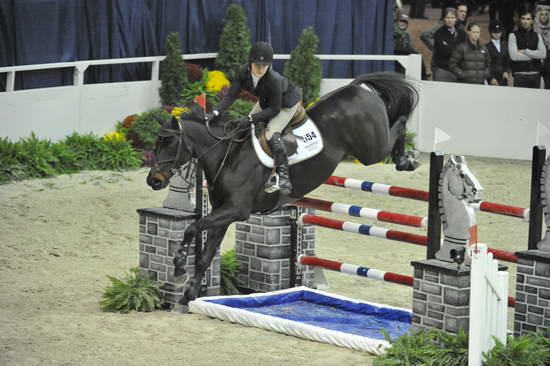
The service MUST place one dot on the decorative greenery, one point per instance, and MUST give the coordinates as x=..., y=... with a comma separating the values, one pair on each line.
x=173, y=74
x=35, y=158
x=234, y=41
x=436, y=348
x=239, y=108
x=529, y=350
x=146, y=126
x=135, y=292
x=304, y=68
x=229, y=268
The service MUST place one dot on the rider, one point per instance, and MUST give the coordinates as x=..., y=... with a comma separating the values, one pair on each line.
x=277, y=104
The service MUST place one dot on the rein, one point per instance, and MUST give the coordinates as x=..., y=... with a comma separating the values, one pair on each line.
x=230, y=135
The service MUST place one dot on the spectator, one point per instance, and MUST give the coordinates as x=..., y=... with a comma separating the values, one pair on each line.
x=461, y=13
x=526, y=49
x=445, y=41
x=500, y=59
x=417, y=9
x=403, y=43
x=542, y=27
x=470, y=60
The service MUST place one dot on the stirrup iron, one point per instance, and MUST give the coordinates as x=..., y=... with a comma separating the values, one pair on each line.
x=272, y=184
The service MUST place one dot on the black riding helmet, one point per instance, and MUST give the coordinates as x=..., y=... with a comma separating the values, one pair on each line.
x=261, y=53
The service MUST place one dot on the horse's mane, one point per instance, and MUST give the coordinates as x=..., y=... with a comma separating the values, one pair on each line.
x=195, y=113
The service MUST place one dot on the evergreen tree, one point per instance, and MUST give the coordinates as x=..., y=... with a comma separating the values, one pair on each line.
x=304, y=69
x=173, y=74
x=234, y=42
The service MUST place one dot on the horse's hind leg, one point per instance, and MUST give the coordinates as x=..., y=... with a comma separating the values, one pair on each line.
x=404, y=160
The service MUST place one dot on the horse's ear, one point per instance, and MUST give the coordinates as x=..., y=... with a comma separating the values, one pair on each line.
x=174, y=123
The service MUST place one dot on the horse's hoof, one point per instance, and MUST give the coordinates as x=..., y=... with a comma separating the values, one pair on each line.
x=181, y=309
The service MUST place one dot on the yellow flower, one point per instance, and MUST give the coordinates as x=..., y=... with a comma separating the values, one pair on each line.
x=114, y=136
x=216, y=81
x=179, y=110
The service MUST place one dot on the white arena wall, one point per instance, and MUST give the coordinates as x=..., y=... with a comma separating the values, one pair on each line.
x=477, y=120
x=54, y=113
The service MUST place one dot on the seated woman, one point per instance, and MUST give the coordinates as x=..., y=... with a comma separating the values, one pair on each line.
x=470, y=61
x=445, y=41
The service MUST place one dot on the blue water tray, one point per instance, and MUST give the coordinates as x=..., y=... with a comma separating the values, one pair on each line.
x=312, y=314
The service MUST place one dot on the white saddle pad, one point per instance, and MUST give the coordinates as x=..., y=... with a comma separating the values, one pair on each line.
x=310, y=143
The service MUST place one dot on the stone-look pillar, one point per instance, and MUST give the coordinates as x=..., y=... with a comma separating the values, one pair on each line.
x=161, y=231
x=263, y=251
x=532, y=292
x=441, y=296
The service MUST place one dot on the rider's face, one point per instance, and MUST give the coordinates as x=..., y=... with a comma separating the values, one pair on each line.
x=259, y=70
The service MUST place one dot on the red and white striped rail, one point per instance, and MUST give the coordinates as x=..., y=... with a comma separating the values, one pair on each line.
x=384, y=233
x=356, y=270
x=363, y=229
x=365, y=212
x=415, y=194
x=364, y=271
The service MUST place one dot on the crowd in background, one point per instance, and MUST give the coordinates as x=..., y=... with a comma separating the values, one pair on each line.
x=518, y=56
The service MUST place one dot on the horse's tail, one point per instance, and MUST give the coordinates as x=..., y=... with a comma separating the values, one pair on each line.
x=399, y=95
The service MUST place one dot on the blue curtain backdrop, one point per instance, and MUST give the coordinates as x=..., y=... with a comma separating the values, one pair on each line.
x=44, y=31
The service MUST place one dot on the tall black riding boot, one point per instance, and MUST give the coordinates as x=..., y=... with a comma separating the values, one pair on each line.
x=281, y=164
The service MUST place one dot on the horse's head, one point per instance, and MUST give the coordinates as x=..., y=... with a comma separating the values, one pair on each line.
x=462, y=183
x=172, y=151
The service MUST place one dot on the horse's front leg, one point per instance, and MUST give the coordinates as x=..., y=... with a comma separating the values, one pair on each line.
x=223, y=216
x=181, y=256
x=193, y=286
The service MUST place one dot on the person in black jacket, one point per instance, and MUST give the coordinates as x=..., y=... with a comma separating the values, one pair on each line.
x=277, y=104
x=445, y=40
x=500, y=59
x=527, y=51
x=470, y=60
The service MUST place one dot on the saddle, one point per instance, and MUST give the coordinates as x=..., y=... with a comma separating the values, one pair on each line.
x=289, y=139
x=301, y=137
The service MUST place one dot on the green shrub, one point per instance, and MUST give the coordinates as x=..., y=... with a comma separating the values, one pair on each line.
x=117, y=155
x=436, y=348
x=520, y=351
x=35, y=158
x=229, y=268
x=135, y=292
x=146, y=127
x=304, y=68
x=173, y=74
x=234, y=41
x=10, y=168
x=239, y=108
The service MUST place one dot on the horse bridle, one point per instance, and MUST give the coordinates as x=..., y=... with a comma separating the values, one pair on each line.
x=168, y=132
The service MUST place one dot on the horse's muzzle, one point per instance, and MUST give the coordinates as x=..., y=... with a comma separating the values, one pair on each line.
x=157, y=181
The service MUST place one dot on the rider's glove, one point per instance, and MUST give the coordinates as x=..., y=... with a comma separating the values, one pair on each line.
x=244, y=122
x=209, y=117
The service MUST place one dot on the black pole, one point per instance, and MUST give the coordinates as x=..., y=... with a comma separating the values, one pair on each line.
x=535, y=212
x=294, y=281
x=198, y=210
x=434, y=219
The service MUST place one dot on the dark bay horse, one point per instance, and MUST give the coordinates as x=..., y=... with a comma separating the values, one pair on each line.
x=368, y=124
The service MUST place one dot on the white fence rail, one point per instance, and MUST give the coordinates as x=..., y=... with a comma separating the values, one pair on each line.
x=488, y=304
